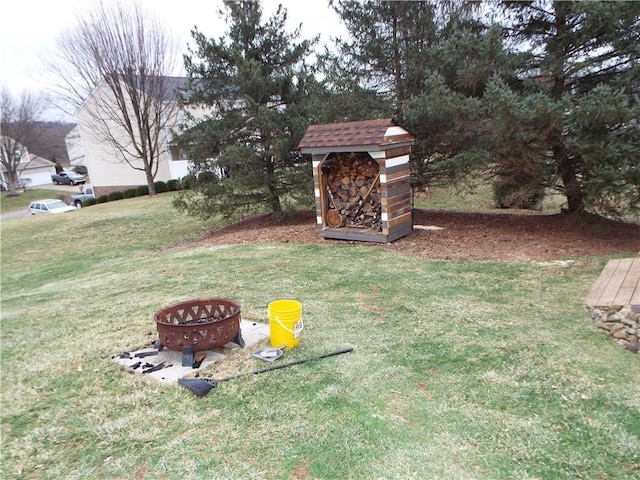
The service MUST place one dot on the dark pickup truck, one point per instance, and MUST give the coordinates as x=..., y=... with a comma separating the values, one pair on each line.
x=67, y=178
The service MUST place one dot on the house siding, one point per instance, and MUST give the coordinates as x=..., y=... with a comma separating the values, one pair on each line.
x=107, y=171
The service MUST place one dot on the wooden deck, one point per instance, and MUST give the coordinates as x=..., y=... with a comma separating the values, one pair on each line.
x=618, y=284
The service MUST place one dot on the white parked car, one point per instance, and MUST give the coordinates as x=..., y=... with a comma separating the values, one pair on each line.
x=49, y=206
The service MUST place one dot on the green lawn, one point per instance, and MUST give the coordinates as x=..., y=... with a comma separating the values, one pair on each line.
x=460, y=370
x=478, y=196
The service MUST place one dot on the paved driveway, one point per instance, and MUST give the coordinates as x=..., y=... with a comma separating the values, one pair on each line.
x=62, y=188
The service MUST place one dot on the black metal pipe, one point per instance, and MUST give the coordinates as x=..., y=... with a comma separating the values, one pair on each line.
x=201, y=386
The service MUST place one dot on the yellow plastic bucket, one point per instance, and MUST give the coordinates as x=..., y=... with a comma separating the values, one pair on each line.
x=285, y=323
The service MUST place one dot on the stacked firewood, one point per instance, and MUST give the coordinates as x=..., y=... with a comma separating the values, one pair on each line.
x=353, y=191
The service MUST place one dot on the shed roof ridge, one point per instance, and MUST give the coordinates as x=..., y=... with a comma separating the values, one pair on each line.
x=360, y=132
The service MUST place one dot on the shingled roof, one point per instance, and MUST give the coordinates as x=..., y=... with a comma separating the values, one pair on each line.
x=49, y=141
x=361, y=133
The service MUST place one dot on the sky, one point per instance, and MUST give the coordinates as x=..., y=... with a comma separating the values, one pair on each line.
x=30, y=28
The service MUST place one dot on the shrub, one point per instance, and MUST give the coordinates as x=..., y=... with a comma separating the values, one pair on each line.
x=113, y=196
x=88, y=202
x=102, y=199
x=160, y=186
x=173, y=185
x=188, y=181
x=80, y=169
x=129, y=193
x=142, y=190
x=206, y=177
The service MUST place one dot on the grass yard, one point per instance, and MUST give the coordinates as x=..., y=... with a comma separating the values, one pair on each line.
x=478, y=197
x=460, y=370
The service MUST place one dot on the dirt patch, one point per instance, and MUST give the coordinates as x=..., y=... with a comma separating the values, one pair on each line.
x=463, y=236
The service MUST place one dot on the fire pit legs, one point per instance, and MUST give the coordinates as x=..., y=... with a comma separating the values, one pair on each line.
x=239, y=340
x=187, y=356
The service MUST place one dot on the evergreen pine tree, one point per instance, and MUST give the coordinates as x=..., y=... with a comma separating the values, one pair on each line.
x=254, y=88
x=571, y=119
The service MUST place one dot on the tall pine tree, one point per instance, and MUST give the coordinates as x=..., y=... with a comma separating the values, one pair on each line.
x=546, y=98
x=251, y=93
x=571, y=119
x=385, y=51
x=430, y=61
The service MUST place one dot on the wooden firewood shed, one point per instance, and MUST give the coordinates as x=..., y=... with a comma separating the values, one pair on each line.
x=361, y=179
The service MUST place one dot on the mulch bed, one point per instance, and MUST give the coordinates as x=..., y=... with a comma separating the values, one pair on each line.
x=501, y=236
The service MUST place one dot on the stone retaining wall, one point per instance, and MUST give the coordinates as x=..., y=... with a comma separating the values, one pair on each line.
x=622, y=323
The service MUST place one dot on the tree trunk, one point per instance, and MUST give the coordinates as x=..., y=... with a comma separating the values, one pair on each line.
x=13, y=184
x=564, y=162
x=150, y=184
x=572, y=189
x=570, y=183
x=274, y=200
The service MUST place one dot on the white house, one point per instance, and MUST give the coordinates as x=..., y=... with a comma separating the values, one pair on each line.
x=106, y=169
x=75, y=149
x=33, y=171
x=37, y=172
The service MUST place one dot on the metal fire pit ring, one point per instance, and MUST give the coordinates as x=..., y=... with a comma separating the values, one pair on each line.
x=201, y=324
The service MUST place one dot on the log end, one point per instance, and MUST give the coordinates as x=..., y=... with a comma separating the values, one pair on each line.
x=334, y=219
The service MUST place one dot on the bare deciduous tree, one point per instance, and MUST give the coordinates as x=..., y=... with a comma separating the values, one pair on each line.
x=19, y=126
x=114, y=66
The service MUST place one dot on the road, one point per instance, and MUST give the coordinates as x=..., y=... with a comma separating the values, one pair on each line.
x=17, y=213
